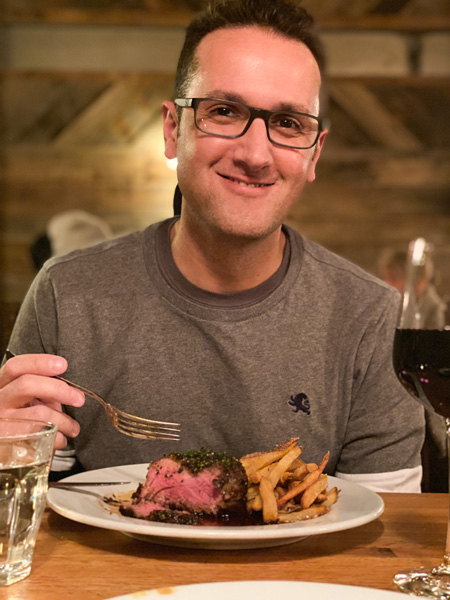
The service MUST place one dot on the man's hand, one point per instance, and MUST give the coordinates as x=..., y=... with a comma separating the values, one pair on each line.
x=28, y=391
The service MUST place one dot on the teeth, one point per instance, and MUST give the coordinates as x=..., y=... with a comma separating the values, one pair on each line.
x=252, y=185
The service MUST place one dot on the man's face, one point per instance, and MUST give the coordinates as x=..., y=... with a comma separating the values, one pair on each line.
x=244, y=187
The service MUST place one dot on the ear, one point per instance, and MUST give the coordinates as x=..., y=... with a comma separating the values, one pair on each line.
x=318, y=149
x=170, y=129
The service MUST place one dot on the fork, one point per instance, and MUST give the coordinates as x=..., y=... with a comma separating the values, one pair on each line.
x=131, y=425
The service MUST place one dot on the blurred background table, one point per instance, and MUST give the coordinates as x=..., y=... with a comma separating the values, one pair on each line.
x=79, y=562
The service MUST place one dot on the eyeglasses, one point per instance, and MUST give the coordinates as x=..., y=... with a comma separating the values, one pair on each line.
x=224, y=118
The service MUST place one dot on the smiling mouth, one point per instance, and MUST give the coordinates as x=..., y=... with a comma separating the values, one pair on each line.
x=245, y=184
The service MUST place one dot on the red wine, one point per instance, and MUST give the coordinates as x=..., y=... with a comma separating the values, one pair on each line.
x=421, y=360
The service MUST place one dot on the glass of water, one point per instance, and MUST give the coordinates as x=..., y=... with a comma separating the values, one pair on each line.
x=26, y=450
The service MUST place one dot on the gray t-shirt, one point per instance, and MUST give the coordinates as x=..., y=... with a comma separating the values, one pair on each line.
x=307, y=354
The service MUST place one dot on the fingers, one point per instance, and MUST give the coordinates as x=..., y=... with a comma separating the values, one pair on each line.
x=67, y=427
x=28, y=390
x=37, y=364
x=60, y=441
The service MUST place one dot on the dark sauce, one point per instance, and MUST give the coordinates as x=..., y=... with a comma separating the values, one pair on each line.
x=233, y=520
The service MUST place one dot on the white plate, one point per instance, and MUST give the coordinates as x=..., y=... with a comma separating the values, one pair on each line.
x=356, y=506
x=263, y=590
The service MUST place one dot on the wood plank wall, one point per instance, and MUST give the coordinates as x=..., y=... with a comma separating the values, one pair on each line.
x=349, y=208
x=358, y=205
x=92, y=141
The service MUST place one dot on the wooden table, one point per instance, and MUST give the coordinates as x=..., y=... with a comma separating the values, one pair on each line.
x=79, y=562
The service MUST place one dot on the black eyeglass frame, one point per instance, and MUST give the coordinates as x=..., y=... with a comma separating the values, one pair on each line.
x=255, y=113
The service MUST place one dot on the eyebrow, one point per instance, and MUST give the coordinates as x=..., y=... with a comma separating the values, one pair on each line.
x=234, y=97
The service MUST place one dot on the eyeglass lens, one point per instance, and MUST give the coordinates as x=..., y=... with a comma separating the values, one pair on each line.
x=228, y=119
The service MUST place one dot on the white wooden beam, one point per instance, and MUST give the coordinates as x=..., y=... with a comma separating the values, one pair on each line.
x=90, y=48
x=369, y=53
x=435, y=56
x=148, y=49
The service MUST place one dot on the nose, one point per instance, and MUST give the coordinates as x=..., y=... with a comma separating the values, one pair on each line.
x=254, y=148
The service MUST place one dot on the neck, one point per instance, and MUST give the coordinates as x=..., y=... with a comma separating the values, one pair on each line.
x=223, y=264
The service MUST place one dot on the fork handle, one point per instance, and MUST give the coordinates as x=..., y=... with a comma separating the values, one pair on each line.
x=82, y=389
x=10, y=354
x=93, y=395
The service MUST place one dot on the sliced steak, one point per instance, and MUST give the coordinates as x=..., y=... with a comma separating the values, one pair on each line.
x=153, y=512
x=198, y=482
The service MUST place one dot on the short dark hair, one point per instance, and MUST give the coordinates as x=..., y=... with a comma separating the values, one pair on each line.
x=285, y=17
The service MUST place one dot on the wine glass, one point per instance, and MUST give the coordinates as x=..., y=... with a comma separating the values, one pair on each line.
x=421, y=358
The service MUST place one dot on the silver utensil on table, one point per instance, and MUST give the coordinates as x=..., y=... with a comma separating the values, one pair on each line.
x=82, y=487
x=128, y=424
x=81, y=484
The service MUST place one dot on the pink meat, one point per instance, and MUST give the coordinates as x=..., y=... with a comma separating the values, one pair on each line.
x=194, y=484
x=177, y=488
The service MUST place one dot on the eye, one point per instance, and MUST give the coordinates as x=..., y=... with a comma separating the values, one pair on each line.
x=293, y=125
x=288, y=122
x=221, y=111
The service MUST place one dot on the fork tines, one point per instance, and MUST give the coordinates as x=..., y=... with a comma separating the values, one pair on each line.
x=146, y=428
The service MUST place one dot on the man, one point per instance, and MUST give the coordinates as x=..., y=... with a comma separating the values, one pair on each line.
x=224, y=320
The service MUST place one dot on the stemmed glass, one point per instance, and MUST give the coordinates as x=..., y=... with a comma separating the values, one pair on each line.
x=421, y=358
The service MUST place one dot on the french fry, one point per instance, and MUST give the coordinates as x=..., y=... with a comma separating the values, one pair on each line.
x=300, y=472
x=286, y=478
x=278, y=491
x=269, y=502
x=284, y=488
x=298, y=462
x=301, y=515
x=252, y=492
x=329, y=497
x=276, y=470
x=255, y=476
x=257, y=502
x=310, y=494
x=290, y=507
x=258, y=460
x=282, y=466
x=309, y=480
x=252, y=495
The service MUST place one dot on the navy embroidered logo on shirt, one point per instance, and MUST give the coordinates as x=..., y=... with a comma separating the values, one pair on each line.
x=300, y=402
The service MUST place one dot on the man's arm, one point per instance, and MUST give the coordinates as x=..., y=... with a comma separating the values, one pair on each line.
x=404, y=480
x=386, y=429
x=28, y=390
x=27, y=385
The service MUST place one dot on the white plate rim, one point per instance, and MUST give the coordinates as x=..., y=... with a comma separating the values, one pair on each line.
x=264, y=590
x=345, y=514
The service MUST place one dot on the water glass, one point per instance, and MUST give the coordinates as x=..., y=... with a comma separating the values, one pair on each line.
x=26, y=450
